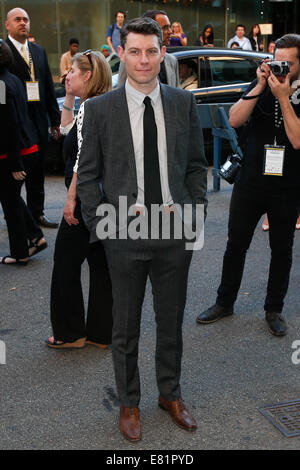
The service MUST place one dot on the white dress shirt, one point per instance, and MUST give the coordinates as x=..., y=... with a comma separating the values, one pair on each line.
x=136, y=110
x=244, y=43
x=18, y=45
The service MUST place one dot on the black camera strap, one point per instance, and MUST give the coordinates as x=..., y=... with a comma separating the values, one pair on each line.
x=252, y=97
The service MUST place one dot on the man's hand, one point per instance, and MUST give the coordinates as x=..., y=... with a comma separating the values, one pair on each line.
x=19, y=175
x=55, y=132
x=280, y=87
x=263, y=72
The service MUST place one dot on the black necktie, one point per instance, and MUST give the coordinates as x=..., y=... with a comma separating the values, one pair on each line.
x=152, y=186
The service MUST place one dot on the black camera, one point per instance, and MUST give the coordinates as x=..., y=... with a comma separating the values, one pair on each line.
x=279, y=67
x=230, y=169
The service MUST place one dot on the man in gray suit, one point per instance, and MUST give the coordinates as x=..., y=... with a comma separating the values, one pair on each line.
x=144, y=142
x=169, y=72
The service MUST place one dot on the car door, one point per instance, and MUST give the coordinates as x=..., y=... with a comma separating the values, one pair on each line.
x=226, y=78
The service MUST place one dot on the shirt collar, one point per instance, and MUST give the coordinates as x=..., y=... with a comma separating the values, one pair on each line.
x=18, y=44
x=139, y=97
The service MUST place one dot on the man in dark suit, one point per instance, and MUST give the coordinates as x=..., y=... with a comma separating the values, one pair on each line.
x=144, y=143
x=169, y=72
x=31, y=66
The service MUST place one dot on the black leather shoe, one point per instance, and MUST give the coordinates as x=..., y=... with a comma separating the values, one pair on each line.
x=46, y=222
x=214, y=313
x=277, y=325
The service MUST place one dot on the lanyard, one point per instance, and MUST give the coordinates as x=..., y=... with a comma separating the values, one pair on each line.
x=31, y=66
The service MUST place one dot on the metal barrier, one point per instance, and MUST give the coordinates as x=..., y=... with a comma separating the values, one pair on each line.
x=215, y=117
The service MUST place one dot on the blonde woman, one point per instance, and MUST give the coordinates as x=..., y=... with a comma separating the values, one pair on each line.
x=178, y=38
x=89, y=76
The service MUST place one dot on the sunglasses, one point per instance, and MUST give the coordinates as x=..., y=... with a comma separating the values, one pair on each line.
x=88, y=53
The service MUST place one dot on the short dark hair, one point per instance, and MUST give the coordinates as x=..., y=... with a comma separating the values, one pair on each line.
x=240, y=26
x=153, y=13
x=123, y=13
x=146, y=26
x=6, y=56
x=73, y=41
x=190, y=64
x=287, y=41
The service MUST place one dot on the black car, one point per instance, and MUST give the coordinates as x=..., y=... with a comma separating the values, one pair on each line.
x=223, y=74
x=222, y=77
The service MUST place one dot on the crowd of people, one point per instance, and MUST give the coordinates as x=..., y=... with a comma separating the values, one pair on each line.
x=142, y=141
x=176, y=37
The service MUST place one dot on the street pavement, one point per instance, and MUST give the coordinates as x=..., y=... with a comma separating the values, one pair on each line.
x=67, y=399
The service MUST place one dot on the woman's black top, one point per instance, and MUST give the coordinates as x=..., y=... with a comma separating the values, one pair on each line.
x=70, y=150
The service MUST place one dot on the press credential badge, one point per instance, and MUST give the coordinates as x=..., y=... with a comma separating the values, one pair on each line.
x=274, y=158
x=33, y=93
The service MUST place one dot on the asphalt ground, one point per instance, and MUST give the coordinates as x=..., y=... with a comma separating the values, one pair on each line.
x=67, y=399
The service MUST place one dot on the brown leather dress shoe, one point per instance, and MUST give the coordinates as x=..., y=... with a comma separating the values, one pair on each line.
x=130, y=425
x=179, y=413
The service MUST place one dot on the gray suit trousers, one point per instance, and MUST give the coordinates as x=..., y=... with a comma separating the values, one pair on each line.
x=166, y=262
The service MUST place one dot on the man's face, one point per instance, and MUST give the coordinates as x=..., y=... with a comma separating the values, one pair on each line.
x=165, y=25
x=290, y=54
x=120, y=19
x=74, y=48
x=184, y=71
x=240, y=32
x=142, y=57
x=271, y=47
x=18, y=24
x=105, y=52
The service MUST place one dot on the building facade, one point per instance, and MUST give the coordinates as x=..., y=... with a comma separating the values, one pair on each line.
x=54, y=22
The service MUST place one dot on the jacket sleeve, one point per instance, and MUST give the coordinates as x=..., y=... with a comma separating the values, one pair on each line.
x=196, y=174
x=122, y=75
x=90, y=168
x=172, y=70
x=12, y=133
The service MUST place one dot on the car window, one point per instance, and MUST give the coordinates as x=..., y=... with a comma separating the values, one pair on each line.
x=194, y=69
x=229, y=70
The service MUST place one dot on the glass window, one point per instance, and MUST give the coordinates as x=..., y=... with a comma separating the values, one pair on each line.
x=226, y=71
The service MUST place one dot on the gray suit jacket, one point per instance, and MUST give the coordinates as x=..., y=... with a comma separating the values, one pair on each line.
x=171, y=66
x=107, y=166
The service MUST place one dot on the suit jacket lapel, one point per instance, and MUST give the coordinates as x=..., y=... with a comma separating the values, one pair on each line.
x=170, y=115
x=121, y=119
x=35, y=60
x=19, y=62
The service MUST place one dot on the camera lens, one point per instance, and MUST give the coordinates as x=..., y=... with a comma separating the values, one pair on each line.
x=276, y=69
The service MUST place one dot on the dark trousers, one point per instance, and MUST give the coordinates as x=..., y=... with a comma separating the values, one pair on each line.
x=72, y=247
x=21, y=226
x=246, y=208
x=166, y=262
x=34, y=183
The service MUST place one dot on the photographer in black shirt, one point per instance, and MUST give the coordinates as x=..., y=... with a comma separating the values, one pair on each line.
x=269, y=182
